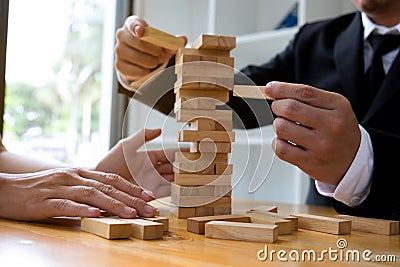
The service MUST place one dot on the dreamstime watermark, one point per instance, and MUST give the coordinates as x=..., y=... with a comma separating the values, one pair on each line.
x=331, y=254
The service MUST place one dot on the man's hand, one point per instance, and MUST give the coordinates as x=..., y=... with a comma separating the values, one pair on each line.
x=150, y=169
x=135, y=58
x=70, y=192
x=316, y=130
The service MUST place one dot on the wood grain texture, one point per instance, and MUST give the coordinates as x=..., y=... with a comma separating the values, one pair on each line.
x=265, y=208
x=197, y=136
x=293, y=219
x=323, y=224
x=109, y=228
x=242, y=231
x=285, y=227
x=198, y=179
x=144, y=229
x=197, y=224
x=372, y=225
x=248, y=91
x=159, y=219
x=214, y=42
x=162, y=39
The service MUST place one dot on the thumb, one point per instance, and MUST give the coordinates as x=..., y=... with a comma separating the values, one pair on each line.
x=141, y=137
x=136, y=25
x=184, y=37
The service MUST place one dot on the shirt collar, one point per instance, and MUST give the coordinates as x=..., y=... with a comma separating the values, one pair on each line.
x=370, y=26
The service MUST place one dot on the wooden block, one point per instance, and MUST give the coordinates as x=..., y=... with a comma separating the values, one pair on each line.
x=222, y=210
x=163, y=220
x=109, y=228
x=188, y=58
x=145, y=229
x=226, y=42
x=192, y=103
x=199, y=179
x=242, y=231
x=372, y=225
x=186, y=81
x=285, y=227
x=223, y=168
x=265, y=208
x=197, y=224
x=324, y=224
x=229, y=61
x=162, y=39
x=207, y=190
x=216, y=136
x=207, y=41
x=210, y=147
x=293, y=219
x=183, y=212
x=189, y=115
x=202, y=125
x=222, y=190
x=188, y=157
x=222, y=96
x=227, y=83
x=225, y=201
x=157, y=212
x=185, y=167
x=204, y=211
x=204, y=69
x=209, y=58
x=248, y=91
x=224, y=125
x=197, y=201
x=201, y=52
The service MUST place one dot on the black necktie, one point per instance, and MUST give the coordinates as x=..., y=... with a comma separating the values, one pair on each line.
x=381, y=45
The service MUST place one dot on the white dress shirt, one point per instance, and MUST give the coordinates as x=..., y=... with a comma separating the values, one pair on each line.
x=354, y=188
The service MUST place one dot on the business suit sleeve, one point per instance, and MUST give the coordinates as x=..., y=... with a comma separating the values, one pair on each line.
x=383, y=199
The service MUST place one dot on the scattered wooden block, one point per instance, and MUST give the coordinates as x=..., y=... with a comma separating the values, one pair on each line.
x=285, y=227
x=144, y=229
x=323, y=224
x=242, y=231
x=199, y=180
x=163, y=220
x=265, y=208
x=162, y=39
x=293, y=219
x=109, y=228
x=197, y=136
x=372, y=225
x=197, y=224
x=248, y=91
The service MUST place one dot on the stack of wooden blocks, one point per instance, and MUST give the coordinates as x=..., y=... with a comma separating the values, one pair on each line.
x=205, y=76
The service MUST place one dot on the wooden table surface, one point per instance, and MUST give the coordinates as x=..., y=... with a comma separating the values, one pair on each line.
x=59, y=242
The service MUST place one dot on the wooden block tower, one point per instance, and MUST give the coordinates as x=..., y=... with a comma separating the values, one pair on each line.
x=205, y=75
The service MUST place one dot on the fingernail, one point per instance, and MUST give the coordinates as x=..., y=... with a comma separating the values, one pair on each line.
x=136, y=29
x=147, y=194
x=129, y=211
x=268, y=87
x=149, y=209
x=94, y=212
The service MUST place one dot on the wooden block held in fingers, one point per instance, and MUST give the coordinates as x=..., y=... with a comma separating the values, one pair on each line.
x=109, y=228
x=145, y=229
x=183, y=212
x=216, y=136
x=162, y=39
x=197, y=224
x=163, y=220
x=372, y=225
x=242, y=231
x=323, y=224
x=265, y=208
x=249, y=91
x=285, y=227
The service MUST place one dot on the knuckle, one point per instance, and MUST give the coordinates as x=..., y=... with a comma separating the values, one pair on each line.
x=292, y=107
x=114, y=204
x=281, y=127
x=88, y=192
x=61, y=205
x=108, y=189
x=112, y=179
x=134, y=202
x=306, y=92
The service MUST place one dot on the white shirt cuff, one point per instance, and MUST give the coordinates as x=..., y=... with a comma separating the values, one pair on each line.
x=354, y=187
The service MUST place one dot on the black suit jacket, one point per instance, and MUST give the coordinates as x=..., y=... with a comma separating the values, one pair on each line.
x=329, y=55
